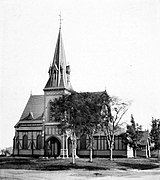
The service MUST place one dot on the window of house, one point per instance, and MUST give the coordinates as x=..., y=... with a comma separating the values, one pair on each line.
x=95, y=143
x=83, y=142
x=116, y=143
x=25, y=142
x=39, y=142
x=102, y=145
x=124, y=145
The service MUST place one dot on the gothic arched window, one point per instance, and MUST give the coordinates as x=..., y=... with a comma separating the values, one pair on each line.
x=39, y=142
x=25, y=142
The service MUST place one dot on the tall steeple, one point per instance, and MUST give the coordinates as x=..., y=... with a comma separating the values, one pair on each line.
x=59, y=71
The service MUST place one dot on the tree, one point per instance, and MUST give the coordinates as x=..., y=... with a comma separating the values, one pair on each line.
x=155, y=133
x=64, y=110
x=133, y=135
x=111, y=115
x=79, y=113
x=91, y=114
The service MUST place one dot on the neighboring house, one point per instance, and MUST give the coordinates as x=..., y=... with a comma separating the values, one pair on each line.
x=37, y=133
x=144, y=145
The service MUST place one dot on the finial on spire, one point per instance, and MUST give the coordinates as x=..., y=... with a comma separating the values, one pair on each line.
x=60, y=20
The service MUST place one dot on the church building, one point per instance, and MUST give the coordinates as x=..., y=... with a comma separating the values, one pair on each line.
x=35, y=129
x=37, y=134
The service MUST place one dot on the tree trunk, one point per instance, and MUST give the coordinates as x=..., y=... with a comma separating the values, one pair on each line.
x=111, y=147
x=73, y=153
x=91, y=149
x=158, y=154
x=135, y=153
x=91, y=152
x=111, y=154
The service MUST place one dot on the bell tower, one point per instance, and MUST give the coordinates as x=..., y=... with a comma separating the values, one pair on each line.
x=58, y=83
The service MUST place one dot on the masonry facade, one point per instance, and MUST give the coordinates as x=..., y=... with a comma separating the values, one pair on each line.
x=37, y=134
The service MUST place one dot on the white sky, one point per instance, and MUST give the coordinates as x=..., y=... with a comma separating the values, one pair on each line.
x=108, y=43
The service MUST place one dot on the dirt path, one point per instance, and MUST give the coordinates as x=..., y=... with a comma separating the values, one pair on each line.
x=9, y=174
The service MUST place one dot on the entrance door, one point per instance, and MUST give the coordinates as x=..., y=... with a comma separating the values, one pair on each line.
x=53, y=147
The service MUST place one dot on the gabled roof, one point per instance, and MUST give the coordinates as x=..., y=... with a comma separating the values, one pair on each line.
x=34, y=108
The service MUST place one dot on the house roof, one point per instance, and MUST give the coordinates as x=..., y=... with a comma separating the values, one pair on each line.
x=34, y=108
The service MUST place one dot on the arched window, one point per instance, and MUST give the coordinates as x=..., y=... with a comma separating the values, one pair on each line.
x=39, y=142
x=25, y=142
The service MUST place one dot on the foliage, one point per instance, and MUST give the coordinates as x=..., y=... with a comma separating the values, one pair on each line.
x=85, y=113
x=134, y=134
x=78, y=111
x=155, y=133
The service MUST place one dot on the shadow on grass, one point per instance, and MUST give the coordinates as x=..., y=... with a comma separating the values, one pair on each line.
x=30, y=164
x=61, y=164
x=138, y=166
x=71, y=166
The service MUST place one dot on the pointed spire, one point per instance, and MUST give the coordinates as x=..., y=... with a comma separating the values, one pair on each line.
x=58, y=71
x=60, y=20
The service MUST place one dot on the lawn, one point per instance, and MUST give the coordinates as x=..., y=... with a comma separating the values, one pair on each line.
x=81, y=163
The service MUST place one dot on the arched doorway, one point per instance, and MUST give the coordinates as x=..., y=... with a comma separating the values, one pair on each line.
x=53, y=147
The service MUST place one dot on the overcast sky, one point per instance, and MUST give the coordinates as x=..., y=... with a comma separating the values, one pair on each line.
x=108, y=43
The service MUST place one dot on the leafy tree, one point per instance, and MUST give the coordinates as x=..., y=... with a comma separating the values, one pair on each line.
x=91, y=113
x=111, y=115
x=134, y=135
x=64, y=110
x=155, y=133
x=78, y=112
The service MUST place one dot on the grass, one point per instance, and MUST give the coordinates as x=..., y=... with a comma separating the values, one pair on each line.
x=81, y=163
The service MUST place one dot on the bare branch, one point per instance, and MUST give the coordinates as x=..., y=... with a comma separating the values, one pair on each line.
x=121, y=116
